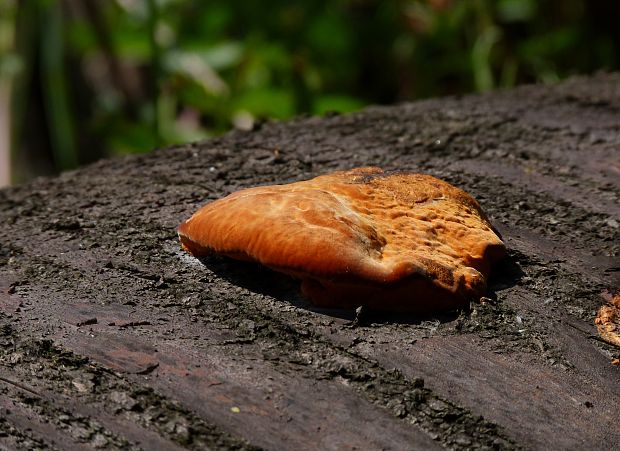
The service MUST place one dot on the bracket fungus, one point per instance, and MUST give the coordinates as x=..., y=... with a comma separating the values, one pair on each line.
x=390, y=241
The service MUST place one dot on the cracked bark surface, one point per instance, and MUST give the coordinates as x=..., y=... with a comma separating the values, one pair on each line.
x=111, y=336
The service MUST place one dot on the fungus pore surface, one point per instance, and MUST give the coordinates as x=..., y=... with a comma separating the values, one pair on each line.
x=390, y=241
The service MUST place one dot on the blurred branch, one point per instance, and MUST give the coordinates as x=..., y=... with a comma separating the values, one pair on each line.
x=156, y=67
x=120, y=78
x=26, y=22
x=7, y=69
x=57, y=99
x=5, y=135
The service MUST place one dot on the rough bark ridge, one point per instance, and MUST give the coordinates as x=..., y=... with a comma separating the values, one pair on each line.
x=111, y=336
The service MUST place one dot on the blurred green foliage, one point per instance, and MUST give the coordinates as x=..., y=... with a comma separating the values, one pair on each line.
x=127, y=76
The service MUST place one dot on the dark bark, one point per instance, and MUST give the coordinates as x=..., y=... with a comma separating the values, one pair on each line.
x=111, y=336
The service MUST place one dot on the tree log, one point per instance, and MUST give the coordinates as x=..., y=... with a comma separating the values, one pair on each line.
x=111, y=335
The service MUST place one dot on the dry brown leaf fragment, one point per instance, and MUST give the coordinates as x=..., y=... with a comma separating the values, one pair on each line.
x=608, y=321
x=389, y=241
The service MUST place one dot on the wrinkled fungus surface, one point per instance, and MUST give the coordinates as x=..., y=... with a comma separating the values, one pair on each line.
x=389, y=241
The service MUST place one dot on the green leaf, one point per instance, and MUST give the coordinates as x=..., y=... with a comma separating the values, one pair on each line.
x=481, y=58
x=223, y=56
